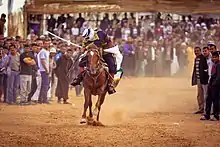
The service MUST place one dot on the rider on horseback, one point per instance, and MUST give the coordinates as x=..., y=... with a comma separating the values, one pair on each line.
x=102, y=41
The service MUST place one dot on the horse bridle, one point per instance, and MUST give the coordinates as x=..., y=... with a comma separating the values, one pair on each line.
x=99, y=58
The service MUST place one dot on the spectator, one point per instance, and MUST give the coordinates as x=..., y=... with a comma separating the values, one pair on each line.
x=105, y=22
x=1, y=72
x=200, y=78
x=61, y=19
x=131, y=20
x=51, y=23
x=2, y=25
x=114, y=21
x=80, y=20
x=63, y=65
x=128, y=62
x=43, y=63
x=125, y=32
x=52, y=66
x=34, y=52
x=69, y=22
x=13, y=75
x=5, y=61
x=26, y=62
x=124, y=20
x=213, y=90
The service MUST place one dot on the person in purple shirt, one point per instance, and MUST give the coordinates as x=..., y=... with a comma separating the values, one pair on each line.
x=129, y=58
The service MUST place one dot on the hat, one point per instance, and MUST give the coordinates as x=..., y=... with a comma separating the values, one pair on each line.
x=197, y=25
x=152, y=24
x=203, y=24
x=53, y=50
x=211, y=43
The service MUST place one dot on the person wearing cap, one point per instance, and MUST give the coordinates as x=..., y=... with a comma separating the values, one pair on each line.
x=27, y=62
x=213, y=91
x=52, y=78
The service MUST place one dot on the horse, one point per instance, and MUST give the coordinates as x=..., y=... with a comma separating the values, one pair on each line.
x=95, y=82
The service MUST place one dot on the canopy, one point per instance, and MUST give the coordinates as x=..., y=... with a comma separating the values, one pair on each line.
x=75, y=6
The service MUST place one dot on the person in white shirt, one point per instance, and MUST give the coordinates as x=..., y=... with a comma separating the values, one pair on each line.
x=208, y=56
x=43, y=63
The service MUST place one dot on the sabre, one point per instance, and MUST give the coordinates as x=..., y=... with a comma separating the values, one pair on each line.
x=64, y=39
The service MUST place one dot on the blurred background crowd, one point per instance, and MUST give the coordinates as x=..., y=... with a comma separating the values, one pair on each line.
x=153, y=45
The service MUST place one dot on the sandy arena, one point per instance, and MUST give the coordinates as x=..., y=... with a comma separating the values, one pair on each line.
x=145, y=112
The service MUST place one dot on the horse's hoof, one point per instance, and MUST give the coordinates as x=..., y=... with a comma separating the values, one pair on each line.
x=95, y=112
x=83, y=121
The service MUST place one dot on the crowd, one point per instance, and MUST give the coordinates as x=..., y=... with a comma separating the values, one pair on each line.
x=153, y=46
x=36, y=69
x=206, y=75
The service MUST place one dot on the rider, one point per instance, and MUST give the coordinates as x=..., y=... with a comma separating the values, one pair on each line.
x=101, y=40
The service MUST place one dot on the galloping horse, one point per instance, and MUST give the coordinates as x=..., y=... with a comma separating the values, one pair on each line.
x=95, y=83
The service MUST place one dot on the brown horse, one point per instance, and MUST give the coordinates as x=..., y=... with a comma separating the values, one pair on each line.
x=95, y=83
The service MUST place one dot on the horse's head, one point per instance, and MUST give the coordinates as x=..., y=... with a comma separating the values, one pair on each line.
x=93, y=60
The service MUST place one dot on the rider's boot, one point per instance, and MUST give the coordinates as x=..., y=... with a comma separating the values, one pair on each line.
x=78, y=79
x=111, y=87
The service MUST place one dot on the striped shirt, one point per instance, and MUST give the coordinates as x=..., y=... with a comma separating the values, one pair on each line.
x=197, y=70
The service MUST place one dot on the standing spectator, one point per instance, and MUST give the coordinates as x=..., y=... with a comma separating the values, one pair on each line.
x=1, y=72
x=129, y=58
x=131, y=20
x=34, y=52
x=63, y=65
x=117, y=33
x=126, y=32
x=213, y=90
x=200, y=78
x=61, y=19
x=75, y=30
x=5, y=60
x=69, y=21
x=26, y=62
x=51, y=23
x=105, y=22
x=208, y=57
x=134, y=31
x=43, y=63
x=2, y=25
x=52, y=66
x=124, y=20
x=80, y=20
x=114, y=21
x=13, y=75
x=138, y=57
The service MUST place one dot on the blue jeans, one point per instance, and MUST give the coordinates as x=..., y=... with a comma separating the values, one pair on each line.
x=13, y=85
x=44, y=87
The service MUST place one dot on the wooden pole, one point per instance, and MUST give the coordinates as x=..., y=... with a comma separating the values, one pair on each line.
x=25, y=23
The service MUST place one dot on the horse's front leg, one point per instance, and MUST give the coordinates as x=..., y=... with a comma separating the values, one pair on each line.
x=99, y=103
x=90, y=108
x=87, y=96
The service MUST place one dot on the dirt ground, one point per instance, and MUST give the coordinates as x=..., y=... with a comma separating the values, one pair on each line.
x=145, y=112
